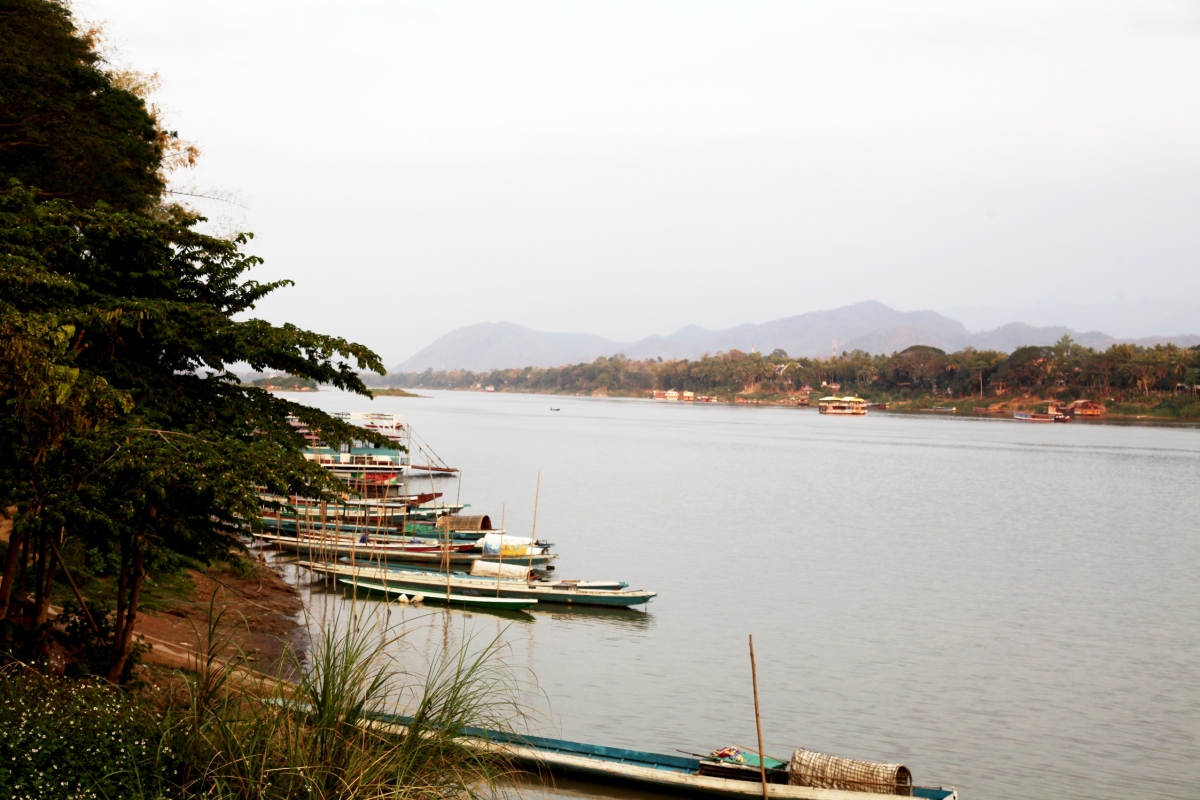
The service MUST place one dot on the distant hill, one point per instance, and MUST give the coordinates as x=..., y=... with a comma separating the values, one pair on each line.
x=869, y=326
x=492, y=345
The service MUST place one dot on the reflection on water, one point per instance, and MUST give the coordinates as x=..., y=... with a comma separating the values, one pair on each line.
x=1011, y=609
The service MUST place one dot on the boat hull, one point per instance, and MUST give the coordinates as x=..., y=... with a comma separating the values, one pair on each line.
x=625, y=768
x=517, y=589
x=382, y=552
x=456, y=600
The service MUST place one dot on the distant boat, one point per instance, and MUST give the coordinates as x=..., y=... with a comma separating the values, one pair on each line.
x=944, y=409
x=851, y=406
x=552, y=408
x=1039, y=416
x=465, y=601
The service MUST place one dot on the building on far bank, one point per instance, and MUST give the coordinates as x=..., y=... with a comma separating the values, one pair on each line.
x=689, y=397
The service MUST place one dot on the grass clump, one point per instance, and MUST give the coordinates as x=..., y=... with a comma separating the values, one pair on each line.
x=228, y=732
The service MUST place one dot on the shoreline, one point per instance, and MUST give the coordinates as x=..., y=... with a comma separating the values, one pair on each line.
x=897, y=406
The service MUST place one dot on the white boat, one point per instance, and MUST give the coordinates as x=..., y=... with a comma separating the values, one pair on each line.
x=849, y=406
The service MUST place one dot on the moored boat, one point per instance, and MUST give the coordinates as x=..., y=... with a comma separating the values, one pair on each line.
x=377, y=550
x=451, y=599
x=562, y=592
x=809, y=776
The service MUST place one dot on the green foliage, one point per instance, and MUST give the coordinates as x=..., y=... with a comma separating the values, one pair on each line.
x=244, y=736
x=1165, y=373
x=77, y=739
x=286, y=382
x=66, y=127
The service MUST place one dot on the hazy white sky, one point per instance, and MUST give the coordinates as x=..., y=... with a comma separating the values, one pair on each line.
x=626, y=168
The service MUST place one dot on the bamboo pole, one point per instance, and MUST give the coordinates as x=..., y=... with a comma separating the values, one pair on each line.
x=446, y=560
x=78, y=596
x=762, y=764
x=500, y=562
x=537, y=493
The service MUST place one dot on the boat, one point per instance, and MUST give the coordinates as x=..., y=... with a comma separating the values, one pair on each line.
x=561, y=592
x=376, y=550
x=944, y=410
x=852, y=406
x=462, y=600
x=1086, y=408
x=363, y=462
x=710, y=776
x=1040, y=416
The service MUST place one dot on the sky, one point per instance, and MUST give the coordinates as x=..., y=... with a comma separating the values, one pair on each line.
x=628, y=168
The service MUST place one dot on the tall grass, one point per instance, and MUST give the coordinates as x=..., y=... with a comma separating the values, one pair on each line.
x=243, y=735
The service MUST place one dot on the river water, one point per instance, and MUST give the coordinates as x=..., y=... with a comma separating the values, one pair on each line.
x=1008, y=608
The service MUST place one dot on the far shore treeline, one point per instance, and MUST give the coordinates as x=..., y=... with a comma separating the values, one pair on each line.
x=1161, y=379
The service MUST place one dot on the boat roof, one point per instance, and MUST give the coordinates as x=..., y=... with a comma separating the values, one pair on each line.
x=846, y=399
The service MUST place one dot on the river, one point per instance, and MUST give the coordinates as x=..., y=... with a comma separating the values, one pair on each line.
x=1009, y=608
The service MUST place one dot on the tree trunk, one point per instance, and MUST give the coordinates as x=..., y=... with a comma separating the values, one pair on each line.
x=39, y=573
x=44, y=590
x=16, y=548
x=123, y=641
x=122, y=585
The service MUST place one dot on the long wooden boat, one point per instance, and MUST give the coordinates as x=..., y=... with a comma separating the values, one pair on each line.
x=551, y=592
x=659, y=772
x=459, y=600
x=389, y=543
x=1034, y=416
x=316, y=528
x=375, y=551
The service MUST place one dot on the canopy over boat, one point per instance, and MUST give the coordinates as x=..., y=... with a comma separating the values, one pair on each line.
x=458, y=522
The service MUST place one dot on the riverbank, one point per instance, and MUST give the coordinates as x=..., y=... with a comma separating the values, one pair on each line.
x=1182, y=407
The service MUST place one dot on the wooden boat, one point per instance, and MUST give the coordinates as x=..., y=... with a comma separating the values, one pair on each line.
x=1039, y=416
x=550, y=592
x=379, y=551
x=846, y=406
x=659, y=772
x=461, y=600
x=383, y=542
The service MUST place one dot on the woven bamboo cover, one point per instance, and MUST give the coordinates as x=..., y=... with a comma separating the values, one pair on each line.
x=834, y=772
x=466, y=523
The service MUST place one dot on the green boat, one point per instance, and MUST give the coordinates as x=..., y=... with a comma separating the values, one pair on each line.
x=460, y=600
x=570, y=593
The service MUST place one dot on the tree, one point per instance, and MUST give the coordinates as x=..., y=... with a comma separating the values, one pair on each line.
x=66, y=127
x=141, y=433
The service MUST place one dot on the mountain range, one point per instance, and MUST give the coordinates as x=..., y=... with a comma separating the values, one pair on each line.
x=869, y=326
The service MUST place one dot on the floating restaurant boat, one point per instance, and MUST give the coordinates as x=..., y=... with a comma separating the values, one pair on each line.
x=851, y=406
x=462, y=600
x=728, y=773
x=518, y=584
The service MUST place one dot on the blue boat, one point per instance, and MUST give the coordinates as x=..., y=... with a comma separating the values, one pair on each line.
x=711, y=776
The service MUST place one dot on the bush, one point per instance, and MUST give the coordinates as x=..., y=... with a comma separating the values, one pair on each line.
x=76, y=739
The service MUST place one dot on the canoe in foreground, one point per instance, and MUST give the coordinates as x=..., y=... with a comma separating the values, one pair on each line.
x=658, y=772
x=672, y=773
x=467, y=601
